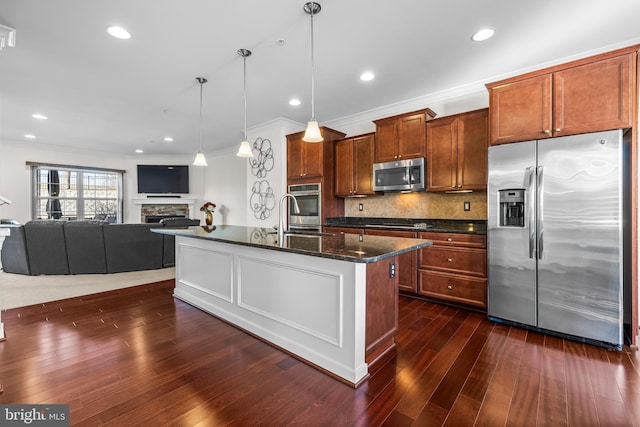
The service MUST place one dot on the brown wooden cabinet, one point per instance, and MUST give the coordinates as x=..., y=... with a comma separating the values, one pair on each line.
x=354, y=165
x=457, y=152
x=314, y=162
x=454, y=268
x=583, y=96
x=309, y=159
x=406, y=265
x=402, y=136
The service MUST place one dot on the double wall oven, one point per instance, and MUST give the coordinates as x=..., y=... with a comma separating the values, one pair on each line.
x=309, y=197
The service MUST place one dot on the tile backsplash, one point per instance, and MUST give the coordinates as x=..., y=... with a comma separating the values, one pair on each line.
x=419, y=205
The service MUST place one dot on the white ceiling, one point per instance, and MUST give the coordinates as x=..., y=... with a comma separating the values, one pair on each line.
x=112, y=95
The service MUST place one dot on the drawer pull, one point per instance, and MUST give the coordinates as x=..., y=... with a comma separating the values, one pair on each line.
x=449, y=239
x=449, y=260
x=449, y=287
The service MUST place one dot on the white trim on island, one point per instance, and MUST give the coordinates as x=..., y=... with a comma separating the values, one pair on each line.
x=313, y=307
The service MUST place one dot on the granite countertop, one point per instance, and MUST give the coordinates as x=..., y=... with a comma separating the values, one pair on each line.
x=410, y=224
x=345, y=247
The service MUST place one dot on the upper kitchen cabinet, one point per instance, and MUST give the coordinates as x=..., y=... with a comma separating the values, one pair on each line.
x=354, y=166
x=401, y=137
x=311, y=159
x=583, y=96
x=457, y=152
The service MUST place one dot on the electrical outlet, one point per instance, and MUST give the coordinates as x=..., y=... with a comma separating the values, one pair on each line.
x=360, y=207
x=467, y=206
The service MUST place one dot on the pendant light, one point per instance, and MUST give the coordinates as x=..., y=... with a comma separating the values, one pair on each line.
x=200, y=159
x=312, y=133
x=245, y=148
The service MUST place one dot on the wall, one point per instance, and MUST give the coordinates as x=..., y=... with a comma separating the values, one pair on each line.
x=266, y=174
x=223, y=181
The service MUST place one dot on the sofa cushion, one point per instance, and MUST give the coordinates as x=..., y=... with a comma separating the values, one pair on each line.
x=131, y=247
x=85, y=246
x=46, y=247
x=14, y=251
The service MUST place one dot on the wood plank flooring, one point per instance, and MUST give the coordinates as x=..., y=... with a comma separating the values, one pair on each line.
x=137, y=356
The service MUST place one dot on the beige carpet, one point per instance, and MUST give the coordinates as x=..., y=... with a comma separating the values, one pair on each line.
x=17, y=290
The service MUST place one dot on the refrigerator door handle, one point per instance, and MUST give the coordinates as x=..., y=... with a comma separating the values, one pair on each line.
x=530, y=211
x=539, y=216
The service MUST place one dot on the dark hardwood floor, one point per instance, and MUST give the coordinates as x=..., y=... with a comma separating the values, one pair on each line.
x=138, y=356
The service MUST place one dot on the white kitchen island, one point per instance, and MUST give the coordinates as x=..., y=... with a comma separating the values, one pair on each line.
x=329, y=300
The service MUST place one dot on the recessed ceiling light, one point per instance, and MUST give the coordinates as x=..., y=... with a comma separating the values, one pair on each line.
x=118, y=32
x=139, y=151
x=39, y=116
x=29, y=136
x=483, y=34
x=295, y=102
x=168, y=139
x=367, y=76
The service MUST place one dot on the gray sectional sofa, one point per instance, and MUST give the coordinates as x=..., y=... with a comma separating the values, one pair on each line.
x=88, y=247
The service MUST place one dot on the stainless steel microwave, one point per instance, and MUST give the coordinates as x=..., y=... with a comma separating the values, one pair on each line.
x=400, y=175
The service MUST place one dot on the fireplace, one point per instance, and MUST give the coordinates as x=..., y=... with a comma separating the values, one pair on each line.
x=155, y=209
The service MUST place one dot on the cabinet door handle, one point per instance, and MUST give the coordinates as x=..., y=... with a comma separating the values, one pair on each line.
x=546, y=131
x=449, y=287
x=558, y=129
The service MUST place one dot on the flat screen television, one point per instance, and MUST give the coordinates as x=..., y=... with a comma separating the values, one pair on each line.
x=163, y=179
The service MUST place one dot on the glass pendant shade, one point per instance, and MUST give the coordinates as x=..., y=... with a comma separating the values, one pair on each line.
x=244, y=150
x=312, y=133
x=200, y=160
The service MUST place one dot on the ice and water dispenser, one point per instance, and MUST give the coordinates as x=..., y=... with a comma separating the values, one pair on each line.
x=511, y=208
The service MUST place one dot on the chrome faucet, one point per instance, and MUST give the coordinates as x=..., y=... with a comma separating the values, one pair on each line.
x=281, y=214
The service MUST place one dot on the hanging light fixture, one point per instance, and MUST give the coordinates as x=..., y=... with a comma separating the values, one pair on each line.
x=200, y=159
x=312, y=133
x=245, y=148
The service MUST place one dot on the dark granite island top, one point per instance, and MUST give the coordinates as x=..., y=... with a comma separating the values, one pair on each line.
x=345, y=247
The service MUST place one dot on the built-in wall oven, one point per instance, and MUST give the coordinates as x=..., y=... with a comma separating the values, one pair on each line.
x=309, y=197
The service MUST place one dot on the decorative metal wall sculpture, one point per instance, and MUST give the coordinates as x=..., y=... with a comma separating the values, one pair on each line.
x=262, y=200
x=262, y=161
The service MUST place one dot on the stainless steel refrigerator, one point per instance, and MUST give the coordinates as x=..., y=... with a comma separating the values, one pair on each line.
x=555, y=235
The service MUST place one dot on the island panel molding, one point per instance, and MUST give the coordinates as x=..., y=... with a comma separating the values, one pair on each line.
x=214, y=281
x=317, y=295
x=345, y=362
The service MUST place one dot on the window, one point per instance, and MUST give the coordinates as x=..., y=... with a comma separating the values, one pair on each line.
x=64, y=192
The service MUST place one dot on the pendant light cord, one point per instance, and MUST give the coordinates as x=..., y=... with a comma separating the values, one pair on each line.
x=200, y=123
x=245, y=96
x=313, y=66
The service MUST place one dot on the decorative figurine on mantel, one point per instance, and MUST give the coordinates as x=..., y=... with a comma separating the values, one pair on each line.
x=208, y=209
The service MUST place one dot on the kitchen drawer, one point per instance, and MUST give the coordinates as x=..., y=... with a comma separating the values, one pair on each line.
x=456, y=239
x=455, y=260
x=453, y=287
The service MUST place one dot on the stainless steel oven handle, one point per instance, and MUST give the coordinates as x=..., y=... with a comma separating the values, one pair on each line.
x=530, y=211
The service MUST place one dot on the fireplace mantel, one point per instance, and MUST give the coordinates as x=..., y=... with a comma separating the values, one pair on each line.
x=138, y=203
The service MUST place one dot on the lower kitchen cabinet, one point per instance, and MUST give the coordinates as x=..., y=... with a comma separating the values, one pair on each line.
x=406, y=264
x=454, y=268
